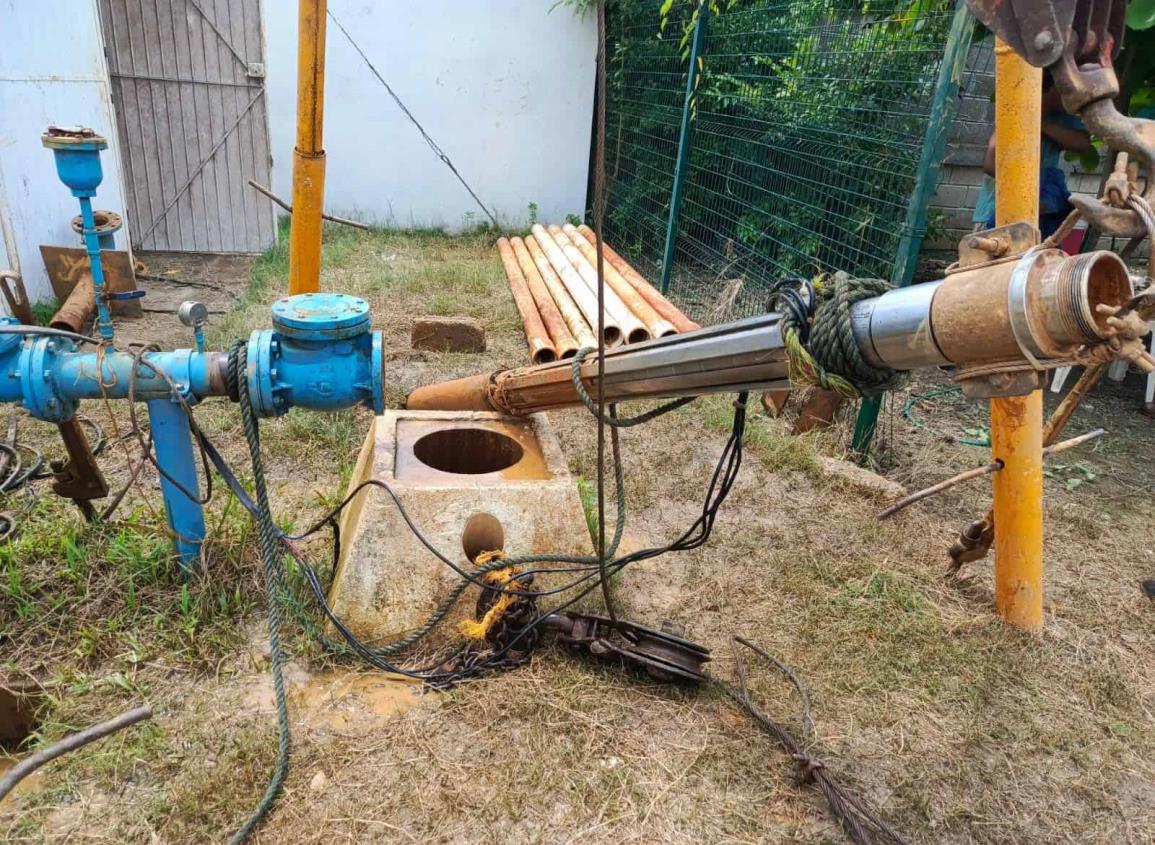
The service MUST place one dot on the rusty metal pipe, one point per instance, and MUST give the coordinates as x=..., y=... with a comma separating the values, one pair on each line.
x=75, y=315
x=748, y=354
x=647, y=291
x=1041, y=306
x=658, y=325
x=540, y=348
x=586, y=300
x=563, y=340
x=578, y=326
x=633, y=329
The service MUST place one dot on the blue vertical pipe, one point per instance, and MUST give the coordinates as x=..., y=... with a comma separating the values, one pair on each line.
x=92, y=247
x=174, y=453
x=683, y=147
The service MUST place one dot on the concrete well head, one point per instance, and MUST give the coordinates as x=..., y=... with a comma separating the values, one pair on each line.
x=471, y=482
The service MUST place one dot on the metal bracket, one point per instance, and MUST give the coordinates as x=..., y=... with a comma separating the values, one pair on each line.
x=997, y=244
x=1078, y=41
x=664, y=654
x=987, y=382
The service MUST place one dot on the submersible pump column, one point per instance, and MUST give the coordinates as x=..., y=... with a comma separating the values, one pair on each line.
x=927, y=325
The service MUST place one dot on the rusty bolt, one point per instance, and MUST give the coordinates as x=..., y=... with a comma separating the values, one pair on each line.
x=1001, y=381
x=994, y=247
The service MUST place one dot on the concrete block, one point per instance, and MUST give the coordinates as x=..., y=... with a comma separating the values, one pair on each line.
x=950, y=196
x=447, y=334
x=963, y=175
x=470, y=482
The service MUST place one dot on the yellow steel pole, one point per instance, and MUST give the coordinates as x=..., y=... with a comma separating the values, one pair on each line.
x=1017, y=422
x=309, y=154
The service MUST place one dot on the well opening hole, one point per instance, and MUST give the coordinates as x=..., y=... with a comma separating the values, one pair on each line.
x=483, y=533
x=18, y=705
x=468, y=451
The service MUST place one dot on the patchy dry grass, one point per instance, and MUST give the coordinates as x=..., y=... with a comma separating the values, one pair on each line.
x=959, y=729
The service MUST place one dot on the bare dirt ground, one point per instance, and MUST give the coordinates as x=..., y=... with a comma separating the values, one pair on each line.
x=217, y=281
x=959, y=729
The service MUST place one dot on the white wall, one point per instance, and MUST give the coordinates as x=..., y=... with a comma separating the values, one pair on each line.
x=52, y=71
x=505, y=87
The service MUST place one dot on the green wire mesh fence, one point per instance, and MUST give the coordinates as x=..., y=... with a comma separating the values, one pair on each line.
x=806, y=123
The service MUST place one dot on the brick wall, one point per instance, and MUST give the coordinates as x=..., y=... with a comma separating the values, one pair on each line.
x=962, y=171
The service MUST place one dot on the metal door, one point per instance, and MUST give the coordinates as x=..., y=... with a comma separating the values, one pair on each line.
x=188, y=88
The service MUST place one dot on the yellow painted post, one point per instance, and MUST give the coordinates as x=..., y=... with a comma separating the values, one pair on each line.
x=309, y=153
x=1017, y=422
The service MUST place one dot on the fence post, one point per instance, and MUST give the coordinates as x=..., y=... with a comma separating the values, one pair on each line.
x=934, y=143
x=683, y=145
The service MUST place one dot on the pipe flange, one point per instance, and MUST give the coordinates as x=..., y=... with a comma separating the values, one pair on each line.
x=261, y=373
x=321, y=316
x=38, y=382
x=107, y=223
x=1019, y=307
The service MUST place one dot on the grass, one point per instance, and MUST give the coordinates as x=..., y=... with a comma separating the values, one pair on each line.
x=961, y=730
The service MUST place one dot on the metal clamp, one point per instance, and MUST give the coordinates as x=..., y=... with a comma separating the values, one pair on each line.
x=1077, y=40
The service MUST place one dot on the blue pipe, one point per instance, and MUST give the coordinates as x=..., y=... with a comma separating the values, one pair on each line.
x=174, y=453
x=92, y=247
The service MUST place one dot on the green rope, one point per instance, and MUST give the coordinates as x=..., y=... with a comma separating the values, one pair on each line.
x=274, y=588
x=617, y=422
x=830, y=357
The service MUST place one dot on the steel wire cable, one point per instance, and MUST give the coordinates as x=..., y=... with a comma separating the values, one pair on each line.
x=440, y=153
x=273, y=584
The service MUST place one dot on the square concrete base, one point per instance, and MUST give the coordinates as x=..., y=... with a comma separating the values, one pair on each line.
x=470, y=482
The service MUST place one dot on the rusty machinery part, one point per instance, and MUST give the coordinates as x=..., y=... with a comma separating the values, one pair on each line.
x=1041, y=31
x=1052, y=314
x=107, y=223
x=78, y=477
x=1078, y=40
x=12, y=287
x=665, y=655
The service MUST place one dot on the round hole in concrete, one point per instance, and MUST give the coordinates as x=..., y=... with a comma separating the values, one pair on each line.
x=468, y=451
x=483, y=533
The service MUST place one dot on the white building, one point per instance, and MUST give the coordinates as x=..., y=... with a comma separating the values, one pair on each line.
x=198, y=97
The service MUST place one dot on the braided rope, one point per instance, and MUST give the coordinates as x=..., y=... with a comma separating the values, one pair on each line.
x=274, y=588
x=830, y=357
x=616, y=422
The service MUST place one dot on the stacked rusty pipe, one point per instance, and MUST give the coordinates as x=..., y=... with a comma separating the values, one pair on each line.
x=554, y=280
x=989, y=321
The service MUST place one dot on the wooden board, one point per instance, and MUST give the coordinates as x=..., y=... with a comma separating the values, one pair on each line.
x=66, y=265
x=191, y=117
